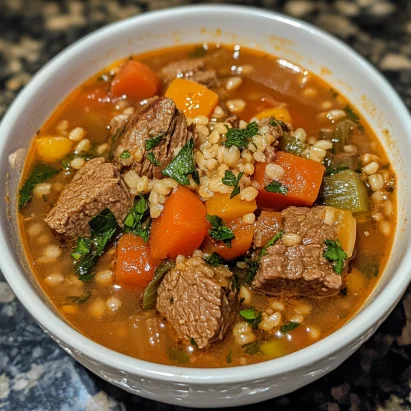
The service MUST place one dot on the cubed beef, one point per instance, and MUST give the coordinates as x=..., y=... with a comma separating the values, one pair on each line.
x=96, y=186
x=267, y=226
x=299, y=269
x=190, y=69
x=198, y=301
x=160, y=118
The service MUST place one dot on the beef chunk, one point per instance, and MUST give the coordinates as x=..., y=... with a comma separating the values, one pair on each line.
x=160, y=118
x=267, y=226
x=277, y=130
x=198, y=301
x=96, y=186
x=299, y=269
x=190, y=69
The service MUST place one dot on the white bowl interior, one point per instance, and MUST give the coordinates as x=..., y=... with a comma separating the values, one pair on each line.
x=277, y=35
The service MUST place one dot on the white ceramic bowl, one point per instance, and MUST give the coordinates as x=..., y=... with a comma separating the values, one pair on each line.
x=276, y=34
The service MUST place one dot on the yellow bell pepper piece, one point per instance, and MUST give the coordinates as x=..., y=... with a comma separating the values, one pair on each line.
x=51, y=149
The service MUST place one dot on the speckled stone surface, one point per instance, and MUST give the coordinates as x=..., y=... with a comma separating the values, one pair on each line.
x=35, y=374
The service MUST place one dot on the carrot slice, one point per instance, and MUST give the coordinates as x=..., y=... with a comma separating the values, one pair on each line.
x=302, y=178
x=135, y=265
x=229, y=209
x=244, y=234
x=192, y=98
x=181, y=227
x=136, y=81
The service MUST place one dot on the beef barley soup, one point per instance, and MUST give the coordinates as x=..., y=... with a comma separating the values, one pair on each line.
x=207, y=206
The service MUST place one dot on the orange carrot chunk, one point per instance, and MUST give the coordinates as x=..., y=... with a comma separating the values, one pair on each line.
x=136, y=81
x=240, y=245
x=135, y=265
x=229, y=208
x=181, y=227
x=192, y=98
x=301, y=182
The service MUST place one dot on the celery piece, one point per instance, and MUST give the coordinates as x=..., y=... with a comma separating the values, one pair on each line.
x=346, y=191
x=292, y=145
x=341, y=135
x=275, y=348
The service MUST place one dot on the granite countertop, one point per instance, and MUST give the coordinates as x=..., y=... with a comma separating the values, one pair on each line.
x=35, y=374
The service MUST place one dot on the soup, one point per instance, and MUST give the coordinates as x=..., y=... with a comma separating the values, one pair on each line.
x=206, y=206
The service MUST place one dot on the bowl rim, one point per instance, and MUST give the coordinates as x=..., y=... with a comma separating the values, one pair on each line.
x=356, y=328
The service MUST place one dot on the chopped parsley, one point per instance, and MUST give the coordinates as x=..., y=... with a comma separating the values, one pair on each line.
x=152, y=159
x=178, y=356
x=214, y=259
x=230, y=179
x=39, y=174
x=138, y=220
x=252, y=348
x=351, y=114
x=229, y=358
x=275, y=123
x=219, y=231
x=276, y=187
x=80, y=299
x=335, y=253
x=154, y=141
x=290, y=326
x=252, y=267
x=240, y=137
x=66, y=162
x=83, y=247
x=102, y=226
x=193, y=342
x=125, y=154
x=252, y=316
x=198, y=51
x=270, y=243
x=182, y=164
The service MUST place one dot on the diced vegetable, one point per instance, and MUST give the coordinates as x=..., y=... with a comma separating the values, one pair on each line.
x=302, y=178
x=135, y=80
x=182, y=226
x=150, y=293
x=50, y=149
x=275, y=348
x=346, y=225
x=229, y=209
x=342, y=134
x=39, y=174
x=239, y=246
x=135, y=265
x=347, y=191
x=192, y=98
x=291, y=144
x=279, y=113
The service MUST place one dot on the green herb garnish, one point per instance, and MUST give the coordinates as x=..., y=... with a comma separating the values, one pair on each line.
x=252, y=348
x=182, y=164
x=270, y=243
x=125, y=154
x=290, y=326
x=198, y=51
x=138, y=219
x=229, y=358
x=276, y=187
x=214, y=259
x=152, y=159
x=39, y=174
x=150, y=293
x=103, y=226
x=351, y=114
x=154, y=141
x=219, y=231
x=335, y=253
x=178, y=356
x=230, y=179
x=252, y=267
x=80, y=299
x=252, y=316
x=67, y=160
x=83, y=247
x=240, y=137
x=193, y=342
